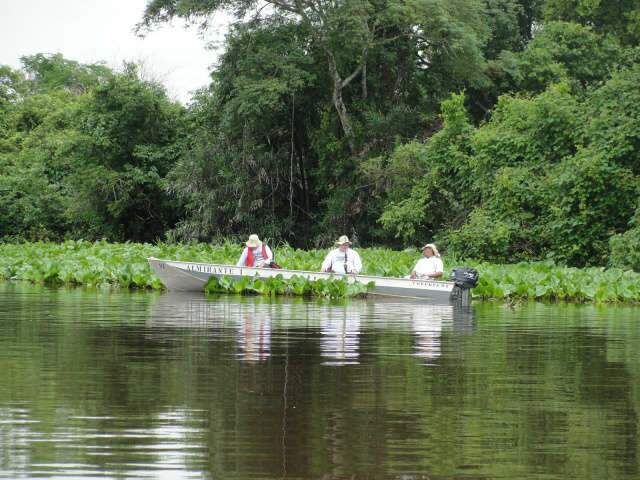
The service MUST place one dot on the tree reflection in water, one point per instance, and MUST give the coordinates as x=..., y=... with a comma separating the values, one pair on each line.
x=340, y=325
x=132, y=385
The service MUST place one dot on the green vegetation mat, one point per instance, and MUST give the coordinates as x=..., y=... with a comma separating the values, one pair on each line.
x=297, y=286
x=124, y=265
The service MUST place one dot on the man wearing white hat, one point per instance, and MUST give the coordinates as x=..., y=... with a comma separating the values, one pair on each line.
x=342, y=259
x=430, y=266
x=255, y=254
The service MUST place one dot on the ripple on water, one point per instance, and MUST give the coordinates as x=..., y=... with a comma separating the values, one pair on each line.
x=97, y=384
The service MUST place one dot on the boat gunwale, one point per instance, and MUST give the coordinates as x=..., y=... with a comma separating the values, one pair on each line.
x=443, y=282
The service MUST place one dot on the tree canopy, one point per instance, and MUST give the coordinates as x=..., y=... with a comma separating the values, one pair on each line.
x=503, y=129
x=85, y=150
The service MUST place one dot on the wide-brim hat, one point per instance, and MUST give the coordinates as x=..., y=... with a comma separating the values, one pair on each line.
x=342, y=240
x=433, y=248
x=254, y=241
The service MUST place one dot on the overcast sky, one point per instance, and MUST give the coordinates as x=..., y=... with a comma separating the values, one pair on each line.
x=90, y=31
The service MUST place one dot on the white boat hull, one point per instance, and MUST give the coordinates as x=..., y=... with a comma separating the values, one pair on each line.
x=192, y=276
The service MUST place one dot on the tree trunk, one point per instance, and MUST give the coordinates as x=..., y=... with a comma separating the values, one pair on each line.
x=364, y=80
x=338, y=101
x=301, y=167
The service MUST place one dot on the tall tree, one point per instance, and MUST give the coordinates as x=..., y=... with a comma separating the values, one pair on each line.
x=129, y=134
x=347, y=31
x=51, y=72
x=247, y=164
x=620, y=18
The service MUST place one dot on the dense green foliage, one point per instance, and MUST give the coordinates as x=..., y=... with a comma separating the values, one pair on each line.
x=297, y=285
x=84, y=152
x=124, y=265
x=625, y=248
x=545, y=281
x=505, y=130
x=553, y=176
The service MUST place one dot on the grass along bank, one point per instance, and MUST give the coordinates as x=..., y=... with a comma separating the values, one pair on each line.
x=124, y=265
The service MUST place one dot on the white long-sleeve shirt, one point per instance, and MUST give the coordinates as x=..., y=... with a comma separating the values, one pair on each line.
x=258, y=261
x=428, y=266
x=336, y=259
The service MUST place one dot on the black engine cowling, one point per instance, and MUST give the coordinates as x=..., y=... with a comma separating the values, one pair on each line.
x=465, y=277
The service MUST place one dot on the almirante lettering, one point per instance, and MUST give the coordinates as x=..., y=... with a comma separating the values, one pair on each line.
x=212, y=269
x=433, y=285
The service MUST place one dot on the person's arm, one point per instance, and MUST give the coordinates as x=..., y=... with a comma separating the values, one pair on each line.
x=243, y=258
x=418, y=270
x=439, y=267
x=269, y=252
x=357, y=263
x=326, y=264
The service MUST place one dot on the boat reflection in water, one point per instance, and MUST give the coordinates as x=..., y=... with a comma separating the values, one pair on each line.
x=258, y=325
x=340, y=335
x=428, y=323
x=254, y=336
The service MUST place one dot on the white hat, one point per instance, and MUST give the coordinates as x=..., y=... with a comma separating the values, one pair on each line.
x=433, y=248
x=342, y=240
x=254, y=241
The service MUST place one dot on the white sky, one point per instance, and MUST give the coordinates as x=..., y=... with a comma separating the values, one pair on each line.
x=90, y=31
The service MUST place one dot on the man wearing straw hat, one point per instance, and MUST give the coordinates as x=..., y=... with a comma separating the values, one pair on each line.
x=255, y=254
x=342, y=259
x=430, y=266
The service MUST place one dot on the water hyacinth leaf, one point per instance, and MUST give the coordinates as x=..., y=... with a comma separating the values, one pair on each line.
x=542, y=290
x=124, y=265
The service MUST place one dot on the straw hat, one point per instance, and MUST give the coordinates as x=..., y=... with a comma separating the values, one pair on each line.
x=433, y=248
x=254, y=241
x=342, y=240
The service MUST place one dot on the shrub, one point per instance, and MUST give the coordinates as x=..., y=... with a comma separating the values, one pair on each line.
x=625, y=247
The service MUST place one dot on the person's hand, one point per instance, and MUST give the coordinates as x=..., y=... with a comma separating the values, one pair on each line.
x=413, y=275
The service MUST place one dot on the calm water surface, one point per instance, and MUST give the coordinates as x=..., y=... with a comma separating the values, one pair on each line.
x=144, y=385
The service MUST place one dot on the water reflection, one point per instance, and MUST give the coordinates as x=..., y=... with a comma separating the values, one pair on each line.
x=340, y=340
x=254, y=336
x=427, y=323
x=340, y=325
x=83, y=446
x=135, y=385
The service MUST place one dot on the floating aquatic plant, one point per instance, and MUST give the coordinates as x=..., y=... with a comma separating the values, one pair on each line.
x=124, y=265
x=296, y=285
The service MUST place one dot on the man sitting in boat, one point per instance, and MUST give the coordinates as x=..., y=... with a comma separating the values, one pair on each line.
x=430, y=265
x=255, y=254
x=342, y=259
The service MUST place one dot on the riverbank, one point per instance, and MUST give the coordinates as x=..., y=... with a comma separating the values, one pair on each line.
x=124, y=265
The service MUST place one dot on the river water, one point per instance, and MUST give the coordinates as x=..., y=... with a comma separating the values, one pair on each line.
x=99, y=384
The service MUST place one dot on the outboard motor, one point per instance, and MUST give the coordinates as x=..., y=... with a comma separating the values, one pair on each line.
x=465, y=279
